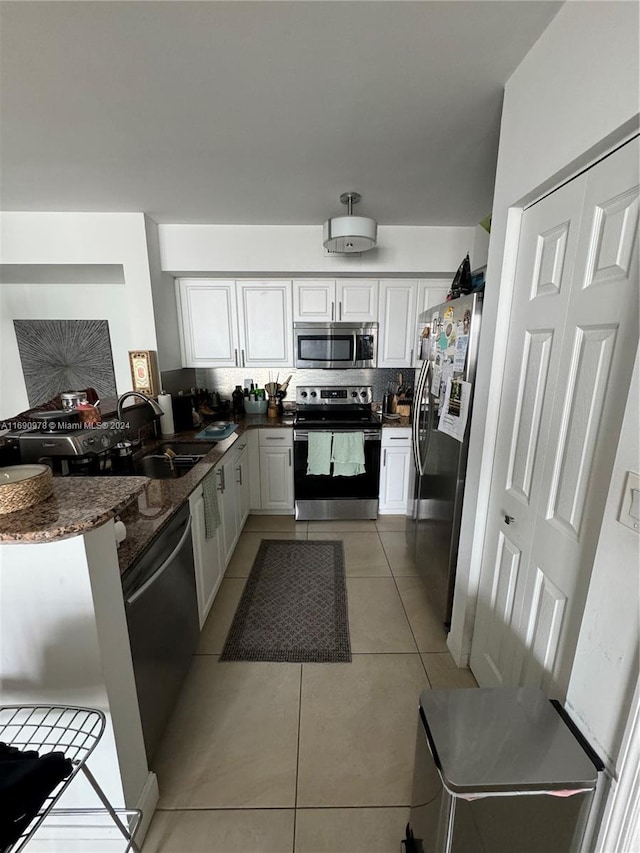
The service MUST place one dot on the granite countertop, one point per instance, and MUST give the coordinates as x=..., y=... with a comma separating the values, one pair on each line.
x=395, y=423
x=146, y=516
x=79, y=504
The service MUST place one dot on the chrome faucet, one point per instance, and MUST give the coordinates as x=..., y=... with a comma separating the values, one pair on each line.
x=156, y=408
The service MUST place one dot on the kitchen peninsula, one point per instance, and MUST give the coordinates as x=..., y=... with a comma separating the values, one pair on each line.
x=64, y=637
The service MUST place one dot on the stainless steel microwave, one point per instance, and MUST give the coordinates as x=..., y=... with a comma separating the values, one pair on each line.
x=334, y=345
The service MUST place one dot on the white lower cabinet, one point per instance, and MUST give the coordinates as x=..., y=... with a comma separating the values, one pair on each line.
x=207, y=555
x=276, y=470
x=253, y=450
x=227, y=505
x=233, y=496
x=243, y=479
x=237, y=476
x=395, y=470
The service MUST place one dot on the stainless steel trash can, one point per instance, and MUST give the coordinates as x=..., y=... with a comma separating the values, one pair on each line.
x=498, y=771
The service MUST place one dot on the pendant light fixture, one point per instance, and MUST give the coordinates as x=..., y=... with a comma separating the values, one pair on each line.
x=344, y=234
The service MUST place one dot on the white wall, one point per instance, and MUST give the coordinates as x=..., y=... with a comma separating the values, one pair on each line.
x=572, y=97
x=75, y=238
x=64, y=640
x=605, y=671
x=165, y=307
x=241, y=249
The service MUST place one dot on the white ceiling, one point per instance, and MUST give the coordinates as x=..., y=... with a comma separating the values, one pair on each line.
x=258, y=112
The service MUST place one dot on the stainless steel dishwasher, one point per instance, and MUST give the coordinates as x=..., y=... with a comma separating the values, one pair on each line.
x=162, y=617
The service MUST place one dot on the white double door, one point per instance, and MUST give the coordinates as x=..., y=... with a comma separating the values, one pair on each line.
x=572, y=340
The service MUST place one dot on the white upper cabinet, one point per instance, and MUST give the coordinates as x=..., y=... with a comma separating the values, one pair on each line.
x=397, y=312
x=209, y=322
x=431, y=291
x=356, y=300
x=235, y=323
x=344, y=300
x=314, y=300
x=266, y=324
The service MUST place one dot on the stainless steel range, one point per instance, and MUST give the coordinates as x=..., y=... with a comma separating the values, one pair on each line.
x=336, y=443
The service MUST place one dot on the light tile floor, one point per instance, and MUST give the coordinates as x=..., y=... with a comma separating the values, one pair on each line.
x=305, y=758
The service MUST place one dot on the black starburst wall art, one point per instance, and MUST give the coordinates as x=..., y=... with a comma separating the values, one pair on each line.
x=63, y=355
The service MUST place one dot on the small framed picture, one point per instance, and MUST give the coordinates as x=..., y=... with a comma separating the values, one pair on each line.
x=144, y=372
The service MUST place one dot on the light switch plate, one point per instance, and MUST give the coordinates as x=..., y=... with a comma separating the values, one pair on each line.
x=630, y=502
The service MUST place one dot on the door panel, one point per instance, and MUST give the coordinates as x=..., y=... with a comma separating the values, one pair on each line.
x=499, y=650
x=572, y=340
x=528, y=412
x=546, y=254
x=546, y=612
x=580, y=418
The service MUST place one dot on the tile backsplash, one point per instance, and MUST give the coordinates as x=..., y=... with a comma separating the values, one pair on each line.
x=225, y=379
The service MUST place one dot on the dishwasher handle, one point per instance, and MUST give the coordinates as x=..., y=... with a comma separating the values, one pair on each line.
x=157, y=574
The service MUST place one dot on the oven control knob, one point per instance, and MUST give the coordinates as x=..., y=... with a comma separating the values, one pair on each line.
x=89, y=441
x=104, y=441
x=354, y=393
x=314, y=394
x=303, y=393
x=364, y=393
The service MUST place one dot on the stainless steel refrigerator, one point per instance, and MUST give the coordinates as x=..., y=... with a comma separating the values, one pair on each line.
x=440, y=437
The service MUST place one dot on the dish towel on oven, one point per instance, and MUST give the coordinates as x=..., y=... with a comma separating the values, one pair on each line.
x=212, y=518
x=348, y=454
x=319, y=453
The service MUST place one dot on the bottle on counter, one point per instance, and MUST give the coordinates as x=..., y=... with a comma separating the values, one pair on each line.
x=237, y=401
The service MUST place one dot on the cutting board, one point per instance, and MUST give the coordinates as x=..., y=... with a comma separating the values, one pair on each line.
x=216, y=434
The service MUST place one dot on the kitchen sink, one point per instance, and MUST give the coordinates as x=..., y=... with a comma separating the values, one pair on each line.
x=185, y=448
x=160, y=466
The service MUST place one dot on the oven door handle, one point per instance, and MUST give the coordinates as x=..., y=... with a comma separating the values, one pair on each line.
x=369, y=435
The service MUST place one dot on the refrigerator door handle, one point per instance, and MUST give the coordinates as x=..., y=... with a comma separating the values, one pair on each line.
x=415, y=433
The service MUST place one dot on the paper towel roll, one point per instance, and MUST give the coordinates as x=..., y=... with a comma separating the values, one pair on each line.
x=166, y=421
x=120, y=531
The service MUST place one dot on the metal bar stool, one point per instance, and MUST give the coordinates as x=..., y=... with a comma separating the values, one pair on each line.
x=75, y=732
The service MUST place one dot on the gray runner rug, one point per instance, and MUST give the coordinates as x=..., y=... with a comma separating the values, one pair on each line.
x=294, y=605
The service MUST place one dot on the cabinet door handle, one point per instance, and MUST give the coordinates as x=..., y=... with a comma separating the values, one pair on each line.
x=509, y=519
x=397, y=438
x=274, y=437
x=289, y=457
x=339, y=310
x=243, y=364
x=411, y=358
x=384, y=458
x=239, y=470
x=236, y=356
x=333, y=310
x=222, y=483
